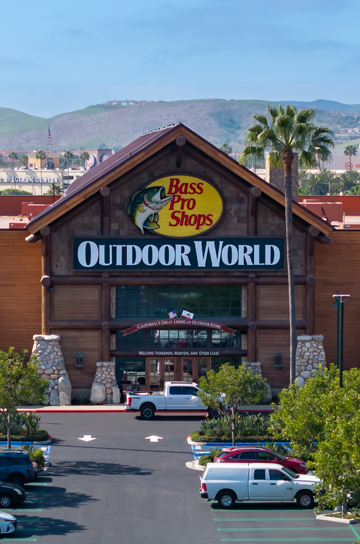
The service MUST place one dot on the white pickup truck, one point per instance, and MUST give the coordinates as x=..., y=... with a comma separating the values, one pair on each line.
x=230, y=482
x=177, y=396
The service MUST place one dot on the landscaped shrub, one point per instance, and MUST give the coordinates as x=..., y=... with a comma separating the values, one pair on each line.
x=249, y=426
x=205, y=459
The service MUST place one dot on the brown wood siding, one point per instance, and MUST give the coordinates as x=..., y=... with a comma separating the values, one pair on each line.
x=273, y=301
x=20, y=273
x=268, y=343
x=337, y=267
x=89, y=344
x=76, y=302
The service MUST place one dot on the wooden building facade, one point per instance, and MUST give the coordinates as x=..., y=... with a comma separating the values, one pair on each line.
x=108, y=264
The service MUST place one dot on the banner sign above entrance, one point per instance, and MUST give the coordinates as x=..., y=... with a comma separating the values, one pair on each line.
x=161, y=323
x=147, y=254
x=176, y=206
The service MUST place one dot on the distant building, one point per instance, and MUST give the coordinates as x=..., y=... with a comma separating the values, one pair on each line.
x=52, y=161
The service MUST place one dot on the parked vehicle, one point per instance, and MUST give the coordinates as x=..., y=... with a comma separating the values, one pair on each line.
x=8, y=523
x=177, y=396
x=230, y=482
x=260, y=455
x=16, y=467
x=11, y=495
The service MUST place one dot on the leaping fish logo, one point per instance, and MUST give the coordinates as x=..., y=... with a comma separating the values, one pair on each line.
x=145, y=205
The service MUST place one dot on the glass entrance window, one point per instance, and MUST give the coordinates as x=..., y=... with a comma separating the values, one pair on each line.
x=177, y=339
x=169, y=369
x=187, y=370
x=202, y=367
x=154, y=373
x=130, y=371
x=150, y=301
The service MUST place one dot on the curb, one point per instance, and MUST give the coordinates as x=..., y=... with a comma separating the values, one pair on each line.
x=194, y=465
x=324, y=517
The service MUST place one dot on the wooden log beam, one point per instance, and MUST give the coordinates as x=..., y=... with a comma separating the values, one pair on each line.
x=140, y=278
x=45, y=293
x=105, y=212
x=74, y=324
x=251, y=317
x=323, y=239
x=310, y=284
x=105, y=318
x=180, y=142
x=33, y=238
x=279, y=324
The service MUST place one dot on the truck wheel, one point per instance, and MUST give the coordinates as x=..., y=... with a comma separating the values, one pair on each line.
x=305, y=499
x=226, y=499
x=147, y=411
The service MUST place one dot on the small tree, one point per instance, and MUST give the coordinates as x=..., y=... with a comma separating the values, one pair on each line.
x=226, y=148
x=68, y=156
x=230, y=387
x=23, y=160
x=84, y=156
x=19, y=383
x=42, y=156
x=350, y=151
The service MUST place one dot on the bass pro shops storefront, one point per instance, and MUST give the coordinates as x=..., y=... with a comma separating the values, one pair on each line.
x=169, y=260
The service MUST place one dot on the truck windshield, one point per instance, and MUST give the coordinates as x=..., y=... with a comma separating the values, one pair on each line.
x=290, y=472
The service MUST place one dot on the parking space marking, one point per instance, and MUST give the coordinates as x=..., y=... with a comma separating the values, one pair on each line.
x=37, y=483
x=287, y=539
x=18, y=539
x=263, y=519
x=22, y=509
x=353, y=530
x=245, y=529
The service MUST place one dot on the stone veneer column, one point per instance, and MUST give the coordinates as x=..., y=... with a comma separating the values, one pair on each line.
x=52, y=367
x=104, y=389
x=310, y=355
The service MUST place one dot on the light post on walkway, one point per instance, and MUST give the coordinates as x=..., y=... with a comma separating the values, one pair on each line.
x=340, y=347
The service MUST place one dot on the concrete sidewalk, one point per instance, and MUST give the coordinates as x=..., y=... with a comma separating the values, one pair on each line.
x=120, y=408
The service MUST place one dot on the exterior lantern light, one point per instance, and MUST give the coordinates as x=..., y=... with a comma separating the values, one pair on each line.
x=79, y=360
x=278, y=360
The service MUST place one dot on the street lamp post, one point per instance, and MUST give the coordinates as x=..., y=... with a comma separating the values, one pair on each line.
x=340, y=301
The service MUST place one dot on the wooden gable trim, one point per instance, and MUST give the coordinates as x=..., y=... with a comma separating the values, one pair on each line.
x=153, y=148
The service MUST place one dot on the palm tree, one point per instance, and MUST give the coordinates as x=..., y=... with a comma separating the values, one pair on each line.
x=68, y=156
x=287, y=131
x=349, y=151
x=13, y=156
x=315, y=185
x=23, y=160
x=348, y=180
x=226, y=148
x=84, y=156
x=42, y=156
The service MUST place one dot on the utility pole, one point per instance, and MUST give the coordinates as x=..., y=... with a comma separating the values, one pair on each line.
x=340, y=302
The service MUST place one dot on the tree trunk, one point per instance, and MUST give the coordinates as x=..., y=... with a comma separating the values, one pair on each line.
x=287, y=157
x=8, y=429
x=344, y=509
x=233, y=425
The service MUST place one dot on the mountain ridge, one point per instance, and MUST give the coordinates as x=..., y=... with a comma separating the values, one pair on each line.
x=217, y=120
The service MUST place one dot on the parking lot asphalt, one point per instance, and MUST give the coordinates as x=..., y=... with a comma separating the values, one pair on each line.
x=122, y=487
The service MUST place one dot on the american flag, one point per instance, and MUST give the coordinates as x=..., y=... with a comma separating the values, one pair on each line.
x=50, y=138
x=172, y=314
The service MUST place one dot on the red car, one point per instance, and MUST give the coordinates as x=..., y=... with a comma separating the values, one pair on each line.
x=260, y=455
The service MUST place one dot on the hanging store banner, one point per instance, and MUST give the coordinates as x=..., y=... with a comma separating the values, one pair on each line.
x=156, y=254
x=176, y=323
x=176, y=207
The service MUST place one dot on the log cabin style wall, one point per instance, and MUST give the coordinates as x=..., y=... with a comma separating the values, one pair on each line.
x=79, y=305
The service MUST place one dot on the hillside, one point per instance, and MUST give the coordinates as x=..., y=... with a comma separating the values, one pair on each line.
x=116, y=125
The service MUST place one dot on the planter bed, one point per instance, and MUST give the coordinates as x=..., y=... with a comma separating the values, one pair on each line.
x=337, y=519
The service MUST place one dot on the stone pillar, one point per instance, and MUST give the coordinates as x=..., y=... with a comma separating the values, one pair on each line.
x=104, y=382
x=52, y=367
x=310, y=355
x=254, y=367
x=275, y=175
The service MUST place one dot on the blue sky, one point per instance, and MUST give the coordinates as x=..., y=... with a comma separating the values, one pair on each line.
x=63, y=56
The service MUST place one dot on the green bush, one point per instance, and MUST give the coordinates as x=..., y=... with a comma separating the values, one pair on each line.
x=249, y=426
x=36, y=455
x=205, y=459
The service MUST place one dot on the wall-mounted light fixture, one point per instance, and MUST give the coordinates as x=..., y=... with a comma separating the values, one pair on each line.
x=79, y=360
x=278, y=360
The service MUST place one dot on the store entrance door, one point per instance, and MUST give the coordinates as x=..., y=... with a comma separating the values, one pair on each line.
x=165, y=369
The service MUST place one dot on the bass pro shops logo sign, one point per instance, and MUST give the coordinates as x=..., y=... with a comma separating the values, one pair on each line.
x=176, y=207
